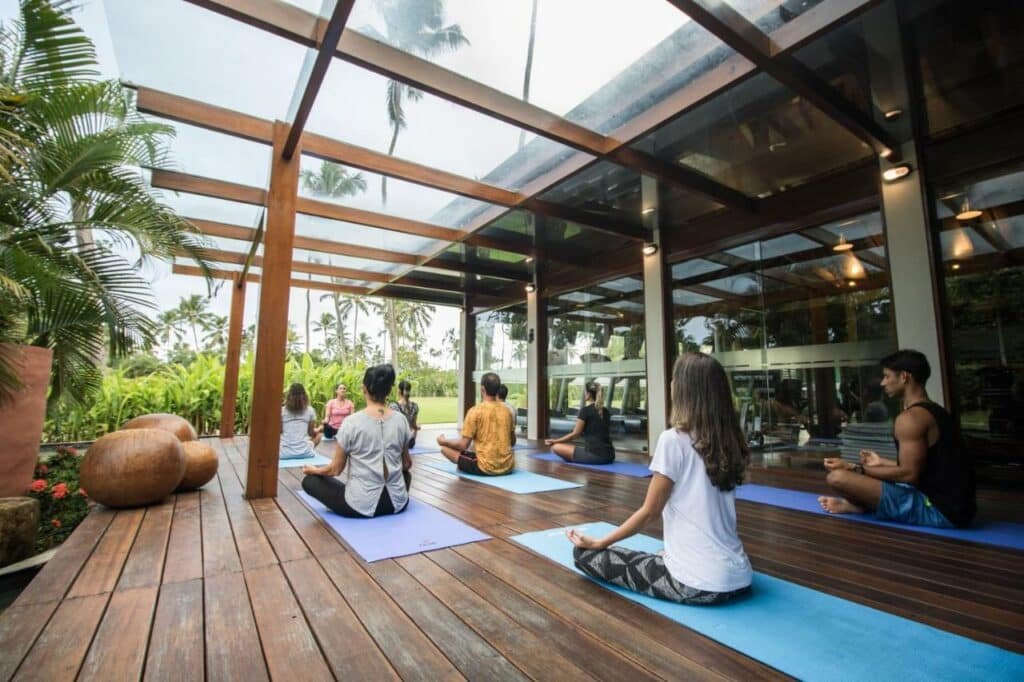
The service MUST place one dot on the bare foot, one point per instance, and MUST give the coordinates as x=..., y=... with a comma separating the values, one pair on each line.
x=837, y=505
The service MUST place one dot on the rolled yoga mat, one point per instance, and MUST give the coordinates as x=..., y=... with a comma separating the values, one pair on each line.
x=518, y=481
x=315, y=460
x=625, y=468
x=809, y=634
x=1001, y=534
x=418, y=528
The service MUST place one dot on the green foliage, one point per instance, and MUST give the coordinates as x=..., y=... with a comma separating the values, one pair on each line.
x=195, y=391
x=62, y=504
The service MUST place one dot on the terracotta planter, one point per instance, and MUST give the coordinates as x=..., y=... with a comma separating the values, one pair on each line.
x=21, y=421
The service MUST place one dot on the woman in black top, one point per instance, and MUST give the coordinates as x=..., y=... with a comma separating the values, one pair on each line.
x=592, y=423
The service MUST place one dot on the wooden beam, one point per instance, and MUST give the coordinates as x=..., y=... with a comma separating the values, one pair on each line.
x=312, y=77
x=232, y=359
x=203, y=115
x=193, y=271
x=348, y=214
x=221, y=256
x=214, y=228
x=295, y=283
x=733, y=29
x=208, y=187
x=478, y=269
x=272, y=323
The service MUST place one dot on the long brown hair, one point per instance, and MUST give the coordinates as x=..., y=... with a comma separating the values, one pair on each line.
x=297, y=400
x=702, y=407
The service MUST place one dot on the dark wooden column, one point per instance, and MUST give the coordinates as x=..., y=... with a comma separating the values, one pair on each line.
x=232, y=359
x=272, y=321
x=467, y=360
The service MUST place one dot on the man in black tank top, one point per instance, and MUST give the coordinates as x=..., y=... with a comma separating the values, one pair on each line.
x=931, y=482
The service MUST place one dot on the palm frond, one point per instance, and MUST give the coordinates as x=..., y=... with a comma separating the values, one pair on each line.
x=45, y=49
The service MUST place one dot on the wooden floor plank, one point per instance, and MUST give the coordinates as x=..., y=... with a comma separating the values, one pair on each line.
x=145, y=564
x=118, y=650
x=283, y=538
x=185, y=548
x=19, y=628
x=176, y=641
x=101, y=573
x=254, y=549
x=349, y=649
x=57, y=576
x=220, y=555
x=233, y=650
x=60, y=649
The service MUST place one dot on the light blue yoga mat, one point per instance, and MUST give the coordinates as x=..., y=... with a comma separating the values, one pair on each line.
x=998, y=533
x=518, y=481
x=315, y=460
x=809, y=634
x=625, y=468
x=429, y=449
x=418, y=528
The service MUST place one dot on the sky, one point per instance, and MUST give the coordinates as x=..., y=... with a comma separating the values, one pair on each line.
x=177, y=47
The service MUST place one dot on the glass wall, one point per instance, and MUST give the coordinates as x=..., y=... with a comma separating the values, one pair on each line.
x=799, y=322
x=979, y=223
x=501, y=347
x=597, y=334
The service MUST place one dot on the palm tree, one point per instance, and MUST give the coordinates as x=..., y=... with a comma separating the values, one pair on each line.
x=215, y=329
x=527, y=72
x=167, y=330
x=416, y=27
x=325, y=325
x=451, y=345
x=333, y=180
x=68, y=147
x=355, y=305
x=415, y=318
x=193, y=312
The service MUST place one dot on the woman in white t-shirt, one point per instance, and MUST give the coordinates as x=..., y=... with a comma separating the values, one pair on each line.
x=371, y=453
x=697, y=465
x=299, y=435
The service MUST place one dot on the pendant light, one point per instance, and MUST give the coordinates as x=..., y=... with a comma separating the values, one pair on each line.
x=966, y=212
x=842, y=245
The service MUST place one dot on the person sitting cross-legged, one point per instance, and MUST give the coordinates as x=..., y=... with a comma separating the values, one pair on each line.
x=592, y=423
x=696, y=467
x=485, y=448
x=931, y=481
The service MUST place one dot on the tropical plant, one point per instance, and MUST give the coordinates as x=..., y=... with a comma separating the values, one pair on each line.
x=416, y=27
x=215, y=334
x=194, y=312
x=70, y=149
x=332, y=180
x=62, y=503
x=326, y=325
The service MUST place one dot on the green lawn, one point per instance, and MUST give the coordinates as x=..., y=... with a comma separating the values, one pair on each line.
x=438, y=410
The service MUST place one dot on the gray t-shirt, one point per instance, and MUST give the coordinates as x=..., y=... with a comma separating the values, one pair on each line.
x=295, y=432
x=370, y=444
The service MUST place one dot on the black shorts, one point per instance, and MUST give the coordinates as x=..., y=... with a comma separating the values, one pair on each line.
x=468, y=464
x=581, y=455
x=329, y=431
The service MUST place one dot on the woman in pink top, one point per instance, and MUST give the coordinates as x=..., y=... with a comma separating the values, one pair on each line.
x=336, y=410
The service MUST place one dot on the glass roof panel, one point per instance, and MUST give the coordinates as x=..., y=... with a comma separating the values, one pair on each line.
x=404, y=199
x=232, y=159
x=597, y=73
x=349, y=233
x=233, y=245
x=354, y=106
x=693, y=268
x=327, y=279
x=857, y=228
x=345, y=261
x=228, y=267
x=210, y=208
x=626, y=285
x=482, y=255
x=745, y=284
x=786, y=245
x=605, y=188
x=687, y=297
x=756, y=138
x=183, y=49
x=769, y=15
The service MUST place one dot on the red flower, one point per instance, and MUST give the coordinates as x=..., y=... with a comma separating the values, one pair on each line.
x=60, y=490
x=38, y=485
x=56, y=523
x=43, y=470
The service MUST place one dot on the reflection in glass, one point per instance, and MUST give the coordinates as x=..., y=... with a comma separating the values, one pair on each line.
x=501, y=347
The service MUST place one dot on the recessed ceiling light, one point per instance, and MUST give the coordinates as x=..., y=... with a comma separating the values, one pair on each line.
x=648, y=210
x=650, y=249
x=529, y=259
x=893, y=114
x=885, y=153
x=955, y=266
x=530, y=288
x=896, y=172
x=842, y=244
x=966, y=212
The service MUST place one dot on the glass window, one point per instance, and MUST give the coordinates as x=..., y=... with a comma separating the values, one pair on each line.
x=800, y=329
x=350, y=233
x=592, y=337
x=984, y=285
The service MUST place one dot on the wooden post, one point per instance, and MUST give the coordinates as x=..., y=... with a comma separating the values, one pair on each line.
x=272, y=321
x=657, y=319
x=232, y=359
x=537, y=399
x=467, y=360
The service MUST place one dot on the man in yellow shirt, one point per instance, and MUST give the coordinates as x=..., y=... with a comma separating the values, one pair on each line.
x=485, y=448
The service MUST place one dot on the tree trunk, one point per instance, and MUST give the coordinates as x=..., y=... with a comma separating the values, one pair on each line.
x=195, y=336
x=384, y=178
x=308, y=293
x=391, y=320
x=529, y=66
x=339, y=326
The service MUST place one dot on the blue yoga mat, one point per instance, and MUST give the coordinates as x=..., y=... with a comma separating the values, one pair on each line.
x=518, y=481
x=315, y=460
x=809, y=634
x=420, y=528
x=625, y=468
x=430, y=449
x=1001, y=534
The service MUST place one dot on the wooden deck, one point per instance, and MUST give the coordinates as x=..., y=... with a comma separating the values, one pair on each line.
x=208, y=584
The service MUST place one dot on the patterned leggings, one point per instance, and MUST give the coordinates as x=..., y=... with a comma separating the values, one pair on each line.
x=644, y=573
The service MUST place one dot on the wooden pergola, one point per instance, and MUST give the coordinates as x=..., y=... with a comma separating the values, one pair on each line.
x=471, y=282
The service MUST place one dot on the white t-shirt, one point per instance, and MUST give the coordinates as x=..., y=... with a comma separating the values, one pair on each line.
x=702, y=549
x=295, y=432
x=371, y=446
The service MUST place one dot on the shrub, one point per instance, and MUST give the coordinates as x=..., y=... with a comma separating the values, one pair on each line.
x=62, y=504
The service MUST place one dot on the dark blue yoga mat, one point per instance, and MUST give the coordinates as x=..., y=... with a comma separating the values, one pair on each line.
x=625, y=468
x=419, y=528
x=998, y=533
x=315, y=460
x=809, y=634
x=518, y=481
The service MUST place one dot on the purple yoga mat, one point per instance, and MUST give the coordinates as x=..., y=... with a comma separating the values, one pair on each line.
x=987, y=532
x=625, y=468
x=420, y=528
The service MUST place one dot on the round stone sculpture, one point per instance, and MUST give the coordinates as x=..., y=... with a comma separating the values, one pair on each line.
x=200, y=464
x=132, y=468
x=171, y=423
